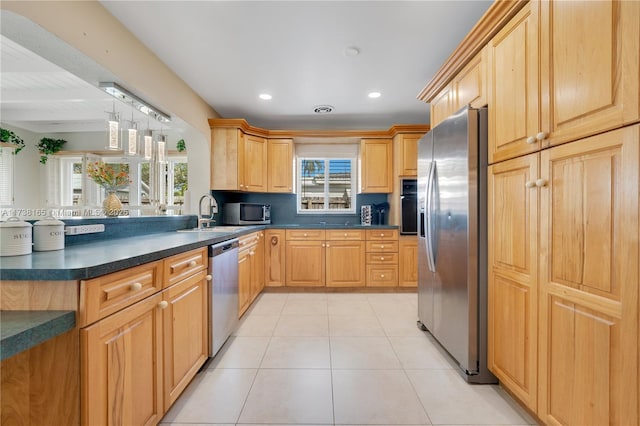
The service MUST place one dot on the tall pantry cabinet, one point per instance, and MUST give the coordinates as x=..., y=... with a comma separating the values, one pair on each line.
x=564, y=98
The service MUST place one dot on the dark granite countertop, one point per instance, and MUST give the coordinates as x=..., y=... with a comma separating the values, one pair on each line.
x=22, y=330
x=90, y=260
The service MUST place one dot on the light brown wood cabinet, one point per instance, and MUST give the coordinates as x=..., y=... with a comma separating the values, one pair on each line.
x=514, y=119
x=561, y=71
x=408, y=154
x=280, y=165
x=251, y=269
x=376, y=166
x=589, y=63
x=275, y=257
x=468, y=87
x=186, y=338
x=382, y=257
x=408, y=261
x=137, y=358
x=238, y=161
x=121, y=374
x=305, y=254
x=345, y=258
x=253, y=164
x=512, y=270
x=589, y=247
x=442, y=105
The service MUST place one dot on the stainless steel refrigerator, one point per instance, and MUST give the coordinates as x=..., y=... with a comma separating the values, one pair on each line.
x=452, y=239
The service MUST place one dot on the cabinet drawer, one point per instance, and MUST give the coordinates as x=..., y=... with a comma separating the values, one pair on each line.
x=382, y=234
x=182, y=265
x=305, y=234
x=102, y=296
x=344, y=235
x=382, y=275
x=249, y=240
x=382, y=258
x=382, y=246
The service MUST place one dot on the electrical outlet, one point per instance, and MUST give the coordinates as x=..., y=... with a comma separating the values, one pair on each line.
x=84, y=229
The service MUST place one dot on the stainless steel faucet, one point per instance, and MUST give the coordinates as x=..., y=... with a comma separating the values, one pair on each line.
x=212, y=208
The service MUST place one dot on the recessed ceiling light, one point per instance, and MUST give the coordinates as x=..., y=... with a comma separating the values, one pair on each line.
x=265, y=96
x=323, y=109
x=374, y=95
x=351, y=51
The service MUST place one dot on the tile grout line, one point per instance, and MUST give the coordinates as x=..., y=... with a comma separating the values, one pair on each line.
x=246, y=398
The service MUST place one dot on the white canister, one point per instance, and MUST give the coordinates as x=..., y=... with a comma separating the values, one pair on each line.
x=48, y=234
x=15, y=237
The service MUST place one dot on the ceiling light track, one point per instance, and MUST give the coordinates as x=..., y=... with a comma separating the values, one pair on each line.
x=129, y=98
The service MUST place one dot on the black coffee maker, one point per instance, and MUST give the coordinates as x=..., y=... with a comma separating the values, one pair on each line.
x=380, y=213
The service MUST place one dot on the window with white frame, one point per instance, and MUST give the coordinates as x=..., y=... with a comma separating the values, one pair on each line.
x=6, y=176
x=326, y=179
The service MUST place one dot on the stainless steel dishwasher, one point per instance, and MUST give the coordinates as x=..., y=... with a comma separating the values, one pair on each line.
x=223, y=306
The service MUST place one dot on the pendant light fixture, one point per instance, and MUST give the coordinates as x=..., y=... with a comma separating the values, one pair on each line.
x=132, y=136
x=113, y=125
x=161, y=146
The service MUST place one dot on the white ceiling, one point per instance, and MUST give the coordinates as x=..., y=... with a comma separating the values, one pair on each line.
x=231, y=51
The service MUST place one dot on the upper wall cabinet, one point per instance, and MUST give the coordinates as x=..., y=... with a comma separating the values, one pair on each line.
x=407, y=153
x=468, y=87
x=514, y=119
x=252, y=170
x=589, y=60
x=376, y=166
x=280, y=165
x=470, y=84
x=442, y=105
x=238, y=161
x=579, y=80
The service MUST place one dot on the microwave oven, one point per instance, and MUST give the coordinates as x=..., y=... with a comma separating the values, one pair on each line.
x=246, y=214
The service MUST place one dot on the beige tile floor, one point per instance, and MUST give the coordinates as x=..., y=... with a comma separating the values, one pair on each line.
x=337, y=359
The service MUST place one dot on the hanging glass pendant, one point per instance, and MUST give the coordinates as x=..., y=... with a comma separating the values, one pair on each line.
x=147, y=144
x=161, y=148
x=113, y=141
x=132, y=141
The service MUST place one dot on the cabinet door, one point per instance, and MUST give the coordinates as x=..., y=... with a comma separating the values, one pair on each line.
x=122, y=367
x=186, y=338
x=274, y=264
x=513, y=259
x=376, y=166
x=513, y=90
x=280, y=165
x=345, y=264
x=442, y=105
x=589, y=281
x=470, y=84
x=225, y=161
x=244, y=281
x=409, y=155
x=305, y=263
x=590, y=67
x=257, y=266
x=408, y=264
x=254, y=166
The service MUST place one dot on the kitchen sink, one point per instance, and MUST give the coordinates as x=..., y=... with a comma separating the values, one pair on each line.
x=218, y=229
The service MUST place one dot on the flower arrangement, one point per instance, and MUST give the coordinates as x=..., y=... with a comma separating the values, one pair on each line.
x=107, y=177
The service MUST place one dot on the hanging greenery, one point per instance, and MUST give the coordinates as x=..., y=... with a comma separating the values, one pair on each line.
x=181, y=145
x=48, y=146
x=10, y=137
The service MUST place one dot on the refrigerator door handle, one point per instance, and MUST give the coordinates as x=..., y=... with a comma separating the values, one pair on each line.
x=428, y=218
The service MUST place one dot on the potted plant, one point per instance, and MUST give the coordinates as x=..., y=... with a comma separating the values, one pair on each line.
x=181, y=145
x=7, y=136
x=49, y=146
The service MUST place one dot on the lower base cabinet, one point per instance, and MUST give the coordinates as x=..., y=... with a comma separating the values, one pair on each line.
x=186, y=340
x=121, y=377
x=251, y=269
x=408, y=261
x=136, y=361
